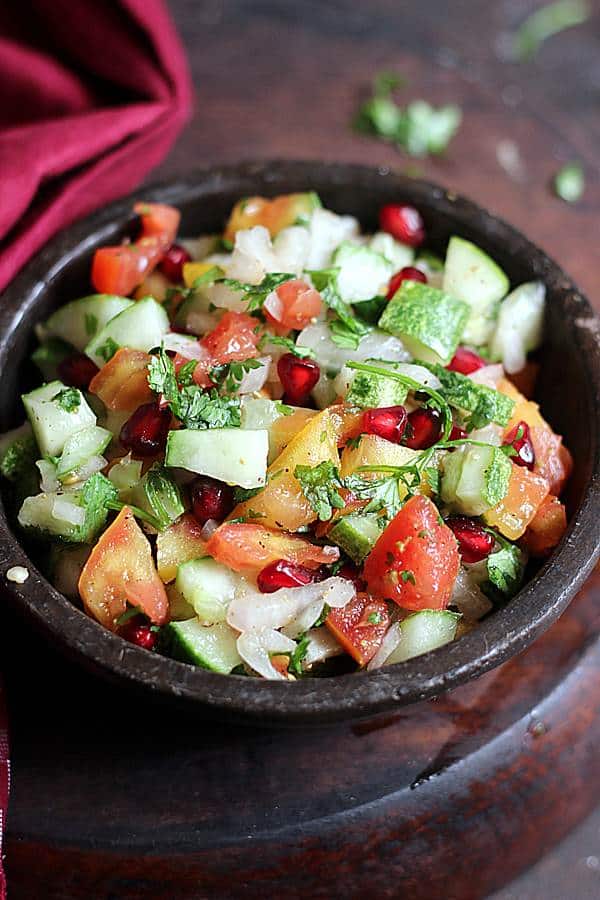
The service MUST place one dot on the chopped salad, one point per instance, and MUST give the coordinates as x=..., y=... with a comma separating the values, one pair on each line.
x=290, y=442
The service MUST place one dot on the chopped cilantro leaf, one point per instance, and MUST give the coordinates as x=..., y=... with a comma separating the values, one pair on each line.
x=374, y=618
x=320, y=487
x=91, y=324
x=407, y=575
x=298, y=655
x=231, y=374
x=346, y=328
x=107, y=350
x=277, y=341
x=68, y=399
x=240, y=494
x=256, y=294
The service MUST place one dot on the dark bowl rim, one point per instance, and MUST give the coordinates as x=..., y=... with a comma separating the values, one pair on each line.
x=316, y=700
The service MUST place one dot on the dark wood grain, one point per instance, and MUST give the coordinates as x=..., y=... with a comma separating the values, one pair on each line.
x=114, y=799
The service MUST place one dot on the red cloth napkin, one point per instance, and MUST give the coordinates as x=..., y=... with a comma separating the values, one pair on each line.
x=94, y=93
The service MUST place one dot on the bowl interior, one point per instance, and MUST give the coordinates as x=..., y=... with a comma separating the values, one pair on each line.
x=568, y=391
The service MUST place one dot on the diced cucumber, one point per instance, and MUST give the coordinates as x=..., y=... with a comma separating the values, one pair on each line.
x=80, y=447
x=195, y=315
x=76, y=517
x=362, y=272
x=56, y=412
x=505, y=569
x=472, y=276
x=424, y=631
x=48, y=355
x=520, y=326
x=370, y=391
x=210, y=646
x=126, y=475
x=141, y=327
x=474, y=479
x=429, y=322
x=397, y=254
x=158, y=494
x=484, y=403
x=179, y=608
x=257, y=412
x=208, y=586
x=356, y=535
x=234, y=455
x=81, y=320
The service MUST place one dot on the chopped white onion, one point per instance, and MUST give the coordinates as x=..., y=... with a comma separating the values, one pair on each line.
x=322, y=645
x=468, y=597
x=254, y=379
x=375, y=345
x=208, y=529
x=327, y=230
x=489, y=376
x=94, y=464
x=291, y=247
x=489, y=434
x=392, y=639
x=188, y=347
x=67, y=511
x=418, y=373
x=252, y=255
x=256, y=647
x=250, y=609
x=48, y=480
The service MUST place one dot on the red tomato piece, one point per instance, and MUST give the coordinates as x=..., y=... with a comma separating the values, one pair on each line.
x=120, y=570
x=118, y=270
x=158, y=220
x=416, y=560
x=360, y=626
x=552, y=459
x=292, y=306
x=233, y=340
x=248, y=548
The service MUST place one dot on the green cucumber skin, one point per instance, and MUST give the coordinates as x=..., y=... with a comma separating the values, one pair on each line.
x=80, y=321
x=212, y=647
x=475, y=479
x=462, y=392
x=80, y=447
x=428, y=321
x=141, y=326
x=356, y=535
x=473, y=276
x=370, y=391
x=208, y=587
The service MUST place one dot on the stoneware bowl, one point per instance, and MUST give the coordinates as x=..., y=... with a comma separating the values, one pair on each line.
x=569, y=392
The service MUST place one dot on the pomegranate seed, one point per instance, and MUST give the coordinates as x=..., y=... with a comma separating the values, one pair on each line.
x=474, y=542
x=298, y=376
x=77, y=371
x=403, y=222
x=351, y=573
x=173, y=261
x=283, y=574
x=211, y=499
x=145, y=432
x=408, y=273
x=424, y=427
x=141, y=635
x=387, y=422
x=519, y=438
x=457, y=434
x=465, y=361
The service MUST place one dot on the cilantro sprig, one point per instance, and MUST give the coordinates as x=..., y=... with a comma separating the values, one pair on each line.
x=230, y=375
x=320, y=485
x=288, y=344
x=256, y=294
x=68, y=399
x=345, y=327
x=194, y=407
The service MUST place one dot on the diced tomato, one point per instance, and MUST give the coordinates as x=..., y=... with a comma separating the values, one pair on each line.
x=552, y=459
x=248, y=548
x=120, y=570
x=415, y=561
x=158, y=220
x=177, y=544
x=360, y=626
x=546, y=528
x=526, y=492
x=119, y=270
x=292, y=306
x=122, y=383
x=233, y=340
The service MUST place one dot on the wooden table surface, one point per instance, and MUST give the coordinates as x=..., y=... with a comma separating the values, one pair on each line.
x=280, y=79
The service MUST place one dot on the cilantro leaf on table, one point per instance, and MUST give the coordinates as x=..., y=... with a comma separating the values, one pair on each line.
x=346, y=328
x=418, y=128
x=320, y=486
x=194, y=407
x=569, y=182
x=545, y=23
